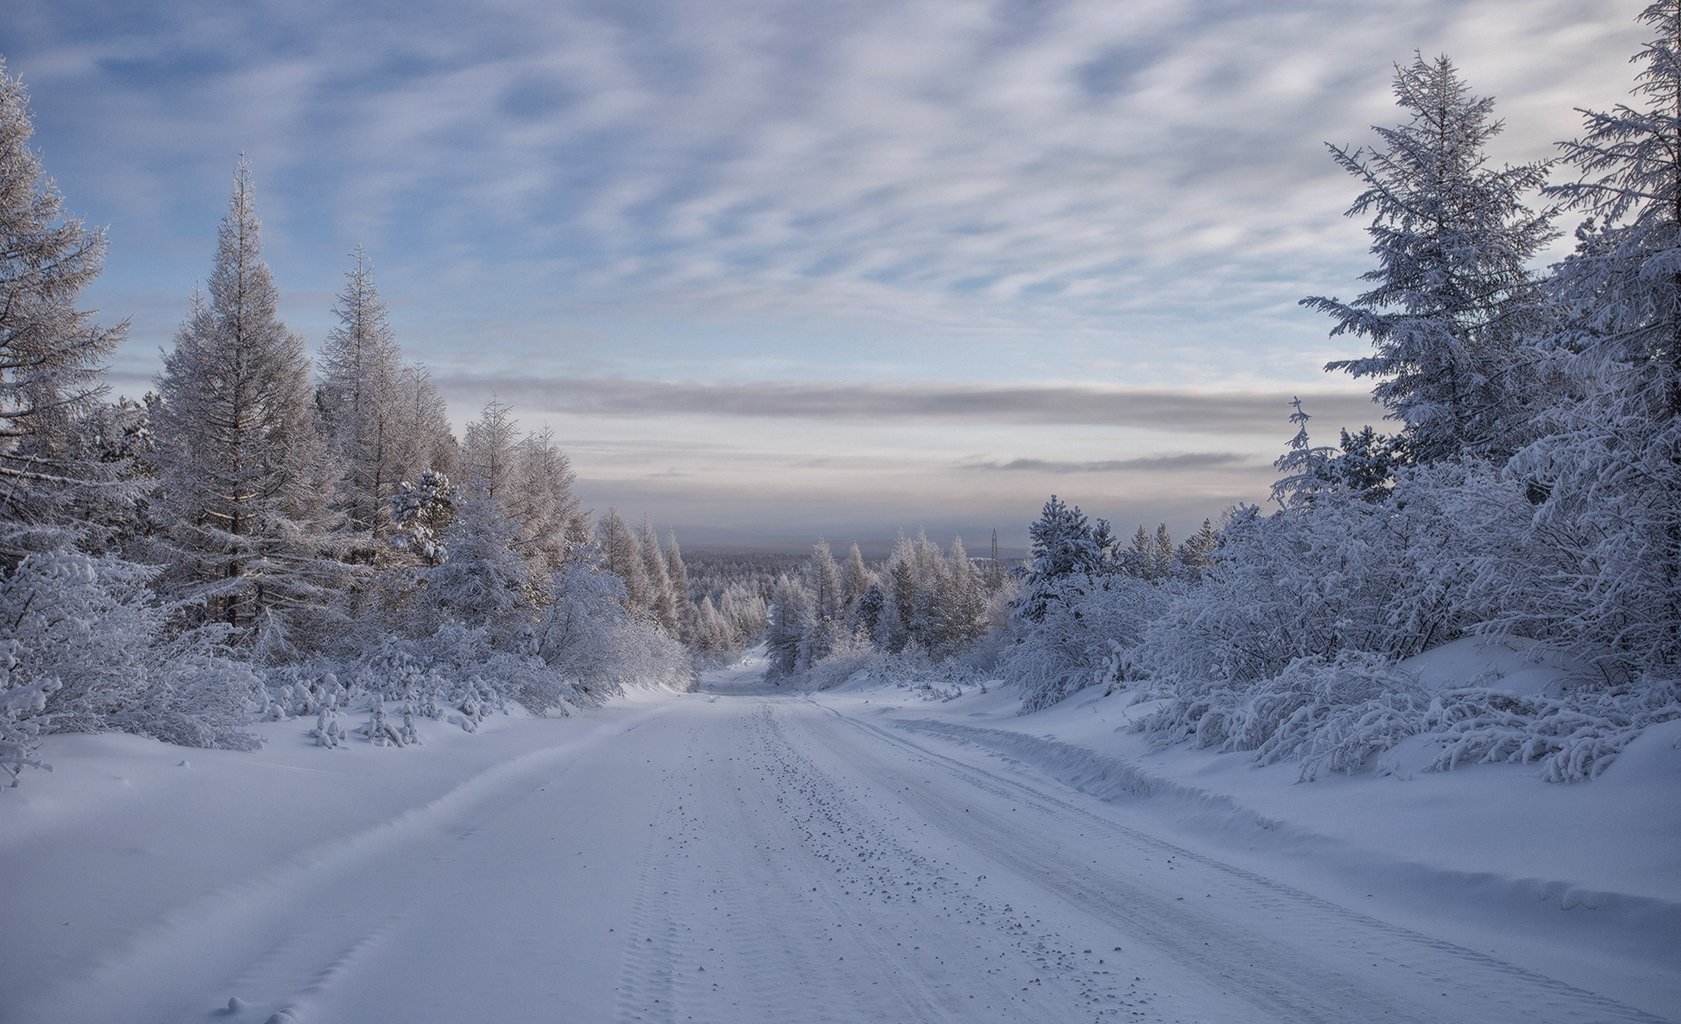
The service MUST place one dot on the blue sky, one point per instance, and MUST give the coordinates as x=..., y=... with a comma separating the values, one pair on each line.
x=774, y=270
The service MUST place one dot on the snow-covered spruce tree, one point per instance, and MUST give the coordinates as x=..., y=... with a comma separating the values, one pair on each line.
x=246, y=476
x=484, y=584
x=1305, y=467
x=1061, y=544
x=1451, y=296
x=421, y=514
x=50, y=352
x=359, y=369
x=1608, y=478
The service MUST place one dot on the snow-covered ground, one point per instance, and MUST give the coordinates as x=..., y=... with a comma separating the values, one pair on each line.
x=745, y=855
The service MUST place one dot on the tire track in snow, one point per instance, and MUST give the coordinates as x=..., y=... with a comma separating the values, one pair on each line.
x=968, y=955
x=1281, y=970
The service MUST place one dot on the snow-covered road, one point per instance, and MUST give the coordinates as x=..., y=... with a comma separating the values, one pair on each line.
x=735, y=858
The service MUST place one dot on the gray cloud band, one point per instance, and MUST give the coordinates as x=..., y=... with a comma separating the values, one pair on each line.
x=1264, y=412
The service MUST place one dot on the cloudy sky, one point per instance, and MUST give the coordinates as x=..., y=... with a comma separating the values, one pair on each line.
x=774, y=269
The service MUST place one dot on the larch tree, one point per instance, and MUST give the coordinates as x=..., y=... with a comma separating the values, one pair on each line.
x=688, y=617
x=245, y=472
x=359, y=368
x=622, y=556
x=422, y=425
x=490, y=452
x=1452, y=296
x=827, y=614
x=50, y=351
x=855, y=578
x=552, y=525
x=963, y=601
x=662, y=599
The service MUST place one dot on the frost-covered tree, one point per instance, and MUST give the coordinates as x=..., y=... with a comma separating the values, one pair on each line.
x=962, y=602
x=1061, y=543
x=1607, y=479
x=662, y=598
x=421, y=514
x=359, y=370
x=50, y=351
x=622, y=556
x=422, y=425
x=490, y=452
x=552, y=526
x=1452, y=295
x=246, y=475
x=1305, y=466
x=827, y=619
x=790, y=622
x=678, y=573
x=855, y=579
x=1623, y=285
x=484, y=583
x=1194, y=554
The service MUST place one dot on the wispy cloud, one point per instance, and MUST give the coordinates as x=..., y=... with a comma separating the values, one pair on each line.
x=955, y=163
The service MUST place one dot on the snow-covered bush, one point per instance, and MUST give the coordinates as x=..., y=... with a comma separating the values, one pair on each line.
x=1086, y=628
x=328, y=731
x=22, y=704
x=1331, y=715
x=1573, y=738
x=1393, y=578
x=379, y=729
x=851, y=654
x=85, y=633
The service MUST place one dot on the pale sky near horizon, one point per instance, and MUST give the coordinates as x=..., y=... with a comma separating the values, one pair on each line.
x=780, y=270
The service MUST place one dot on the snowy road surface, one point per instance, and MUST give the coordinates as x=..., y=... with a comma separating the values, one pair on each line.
x=738, y=858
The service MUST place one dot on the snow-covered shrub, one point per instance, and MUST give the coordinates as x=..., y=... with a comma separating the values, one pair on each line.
x=198, y=697
x=22, y=704
x=1343, y=573
x=1595, y=562
x=409, y=730
x=328, y=731
x=1330, y=715
x=1573, y=738
x=587, y=638
x=379, y=730
x=1086, y=628
x=851, y=654
x=91, y=628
